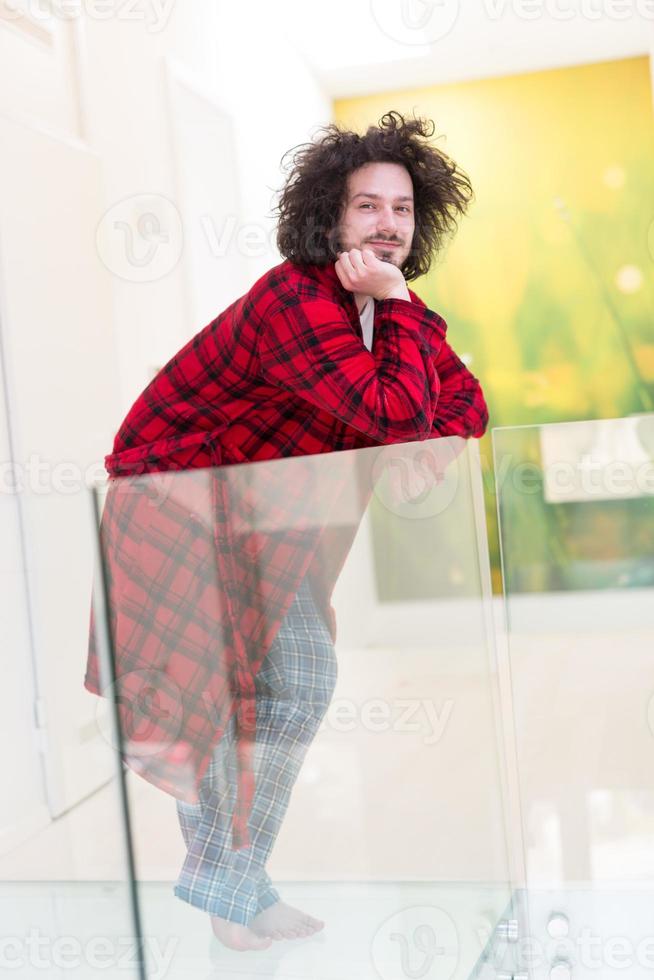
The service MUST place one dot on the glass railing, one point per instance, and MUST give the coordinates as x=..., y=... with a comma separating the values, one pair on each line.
x=576, y=519
x=301, y=659
x=65, y=907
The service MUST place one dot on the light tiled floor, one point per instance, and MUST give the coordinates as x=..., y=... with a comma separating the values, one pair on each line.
x=84, y=930
x=381, y=931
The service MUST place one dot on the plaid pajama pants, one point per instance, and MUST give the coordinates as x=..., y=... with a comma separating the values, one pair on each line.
x=293, y=689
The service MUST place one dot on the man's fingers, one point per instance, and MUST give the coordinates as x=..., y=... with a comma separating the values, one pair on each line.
x=346, y=262
x=355, y=264
x=344, y=278
x=343, y=271
x=357, y=260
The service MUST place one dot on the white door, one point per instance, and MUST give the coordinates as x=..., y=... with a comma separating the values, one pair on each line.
x=22, y=810
x=61, y=404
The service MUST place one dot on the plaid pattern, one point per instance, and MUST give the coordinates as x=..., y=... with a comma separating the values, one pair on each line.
x=284, y=371
x=197, y=590
x=200, y=578
x=294, y=688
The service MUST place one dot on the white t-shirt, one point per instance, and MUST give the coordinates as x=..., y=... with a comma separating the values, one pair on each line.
x=367, y=317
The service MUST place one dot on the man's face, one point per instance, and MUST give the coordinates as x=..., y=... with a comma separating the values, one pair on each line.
x=378, y=212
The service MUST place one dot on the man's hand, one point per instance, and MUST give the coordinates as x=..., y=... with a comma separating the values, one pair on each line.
x=362, y=272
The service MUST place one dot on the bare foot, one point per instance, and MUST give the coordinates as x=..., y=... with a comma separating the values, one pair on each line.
x=282, y=921
x=235, y=936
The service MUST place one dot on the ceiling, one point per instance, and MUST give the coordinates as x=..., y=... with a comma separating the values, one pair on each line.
x=361, y=47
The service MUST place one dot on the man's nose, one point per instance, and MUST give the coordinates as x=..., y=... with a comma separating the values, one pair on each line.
x=387, y=224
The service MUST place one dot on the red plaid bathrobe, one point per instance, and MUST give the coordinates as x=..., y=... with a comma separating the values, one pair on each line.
x=203, y=558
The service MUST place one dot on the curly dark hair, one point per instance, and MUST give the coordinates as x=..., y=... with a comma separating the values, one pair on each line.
x=314, y=196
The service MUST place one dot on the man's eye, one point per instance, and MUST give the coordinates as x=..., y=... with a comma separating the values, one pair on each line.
x=402, y=207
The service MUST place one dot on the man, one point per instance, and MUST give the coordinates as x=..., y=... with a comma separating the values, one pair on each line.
x=328, y=351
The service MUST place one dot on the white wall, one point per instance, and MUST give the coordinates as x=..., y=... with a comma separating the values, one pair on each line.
x=242, y=62
x=97, y=112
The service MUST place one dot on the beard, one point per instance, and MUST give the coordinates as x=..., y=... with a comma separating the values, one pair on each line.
x=384, y=254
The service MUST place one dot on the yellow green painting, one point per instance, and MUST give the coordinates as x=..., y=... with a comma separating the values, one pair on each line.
x=547, y=286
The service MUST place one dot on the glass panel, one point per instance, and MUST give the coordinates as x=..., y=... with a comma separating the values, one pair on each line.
x=576, y=509
x=294, y=736
x=64, y=885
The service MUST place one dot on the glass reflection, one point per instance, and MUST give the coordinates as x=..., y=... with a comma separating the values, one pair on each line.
x=575, y=505
x=306, y=757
